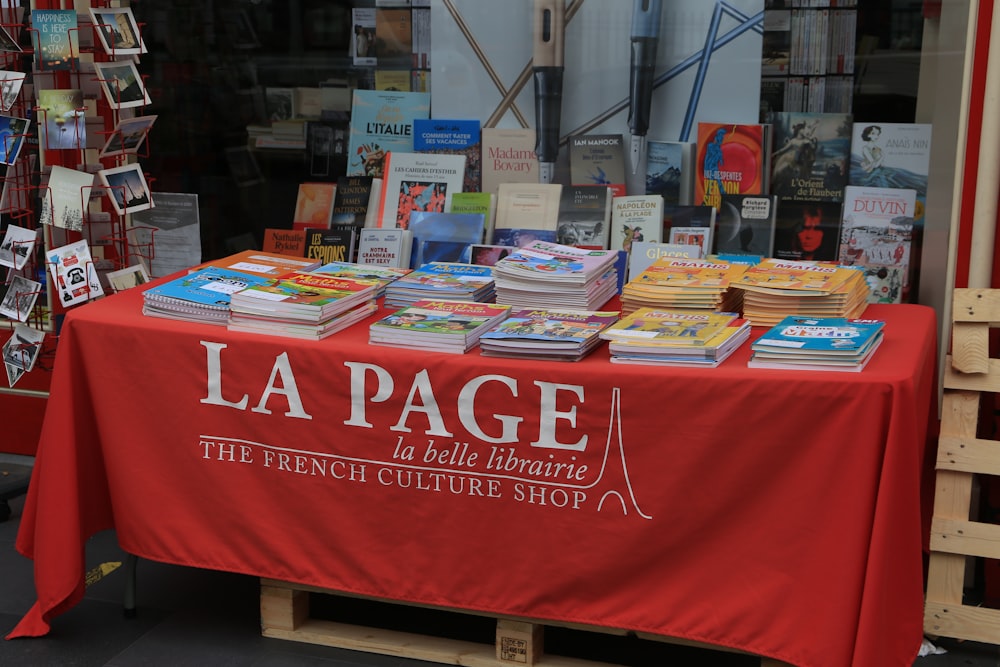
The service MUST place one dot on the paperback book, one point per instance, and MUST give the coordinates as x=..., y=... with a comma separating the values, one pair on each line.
x=877, y=226
x=635, y=218
x=304, y=296
x=745, y=225
x=385, y=247
x=437, y=325
x=731, y=158
x=452, y=137
x=331, y=245
x=817, y=344
x=474, y=202
x=598, y=159
x=644, y=253
x=417, y=182
x=541, y=333
x=670, y=171
x=263, y=264
x=508, y=157
x=811, y=155
x=584, y=216
x=807, y=231
x=382, y=274
x=290, y=242
x=526, y=206
x=442, y=280
x=351, y=200
x=382, y=121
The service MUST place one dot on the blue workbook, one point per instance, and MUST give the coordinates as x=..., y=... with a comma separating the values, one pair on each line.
x=210, y=287
x=821, y=336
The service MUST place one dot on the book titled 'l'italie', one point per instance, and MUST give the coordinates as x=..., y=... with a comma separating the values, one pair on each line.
x=732, y=158
x=382, y=121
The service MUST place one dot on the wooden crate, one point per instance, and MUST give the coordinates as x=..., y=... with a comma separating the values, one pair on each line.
x=285, y=611
x=969, y=375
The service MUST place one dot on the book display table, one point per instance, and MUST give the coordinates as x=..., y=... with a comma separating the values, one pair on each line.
x=773, y=512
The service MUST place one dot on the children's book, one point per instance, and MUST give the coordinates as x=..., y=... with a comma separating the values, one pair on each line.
x=650, y=326
x=446, y=277
x=263, y=264
x=382, y=121
x=383, y=274
x=779, y=276
x=598, y=159
x=306, y=296
x=417, y=182
x=820, y=335
x=546, y=333
x=811, y=155
x=689, y=274
x=437, y=325
x=670, y=171
x=745, y=225
x=554, y=262
x=731, y=158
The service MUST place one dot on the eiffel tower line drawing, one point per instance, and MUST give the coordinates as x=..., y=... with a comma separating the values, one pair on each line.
x=614, y=477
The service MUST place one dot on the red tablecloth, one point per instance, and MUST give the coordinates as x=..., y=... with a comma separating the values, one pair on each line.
x=769, y=511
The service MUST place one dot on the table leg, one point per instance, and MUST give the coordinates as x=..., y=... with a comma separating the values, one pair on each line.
x=130, y=564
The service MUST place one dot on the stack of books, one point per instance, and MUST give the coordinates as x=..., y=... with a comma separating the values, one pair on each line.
x=672, y=338
x=685, y=285
x=536, y=333
x=437, y=325
x=818, y=344
x=203, y=295
x=383, y=274
x=551, y=275
x=776, y=288
x=451, y=281
x=266, y=264
x=302, y=305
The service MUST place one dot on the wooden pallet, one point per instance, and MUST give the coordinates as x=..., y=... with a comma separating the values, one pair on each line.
x=285, y=612
x=969, y=374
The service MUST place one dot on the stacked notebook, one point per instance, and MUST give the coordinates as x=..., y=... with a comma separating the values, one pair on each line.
x=818, y=344
x=437, y=325
x=677, y=284
x=451, y=281
x=302, y=305
x=550, y=275
x=203, y=295
x=535, y=333
x=776, y=288
x=673, y=338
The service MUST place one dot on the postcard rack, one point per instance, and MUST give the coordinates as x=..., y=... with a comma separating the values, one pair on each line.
x=74, y=118
x=970, y=376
